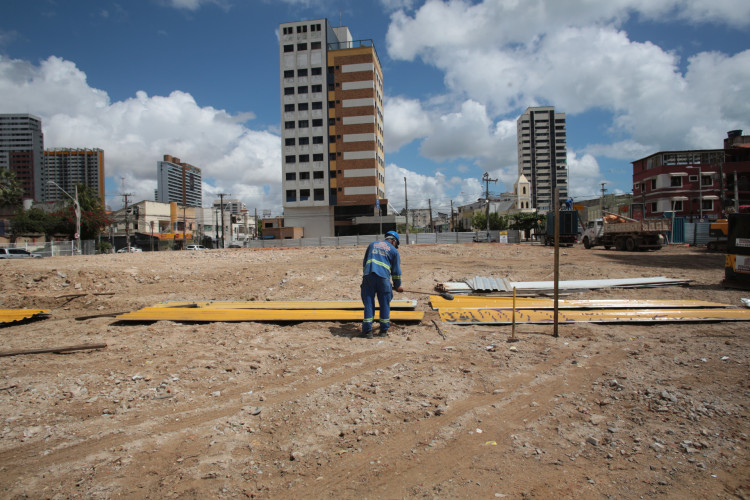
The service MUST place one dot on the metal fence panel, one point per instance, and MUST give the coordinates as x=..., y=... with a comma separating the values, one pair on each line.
x=347, y=241
x=329, y=241
x=701, y=233
x=465, y=237
x=426, y=238
x=447, y=237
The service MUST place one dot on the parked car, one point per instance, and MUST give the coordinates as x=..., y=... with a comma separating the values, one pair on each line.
x=18, y=253
x=234, y=245
x=195, y=247
x=132, y=250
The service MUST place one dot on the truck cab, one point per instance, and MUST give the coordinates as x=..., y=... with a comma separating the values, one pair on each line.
x=592, y=233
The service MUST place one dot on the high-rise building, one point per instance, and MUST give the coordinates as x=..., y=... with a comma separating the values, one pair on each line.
x=22, y=151
x=68, y=167
x=542, y=155
x=178, y=182
x=235, y=207
x=332, y=139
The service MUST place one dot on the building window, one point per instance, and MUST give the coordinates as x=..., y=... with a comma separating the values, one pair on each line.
x=317, y=88
x=316, y=71
x=332, y=121
x=315, y=45
x=289, y=141
x=302, y=106
x=677, y=205
x=289, y=73
x=302, y=89
x=291, y=176
x=676, y=181
x=318, y=174
x=653, y=184
x=290, y=159
x=288, y=125
x=315, y=27
x=331, y=105
x=331, y=87
x=288, y=90
x=291, y=195
x=288, y=30
x=303, y=141
x=304, y=176
x=318, y=156
x=653, y=207
x=301, y=72
x=289, y=48
x=302, y=29
x=304, y=159
x=318, y=139
x=331, y=139
x=304, y=194
x=301, y=46
x=318, y=195
x=317, y=122
x=707, y=205
x=707, y=180
x=304, y=123
x=288, y=107
x=317, y=105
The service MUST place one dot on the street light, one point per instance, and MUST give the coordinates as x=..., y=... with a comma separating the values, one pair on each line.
x=77, y=207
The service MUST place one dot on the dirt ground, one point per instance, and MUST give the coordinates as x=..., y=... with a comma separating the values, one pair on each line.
x=309, y=410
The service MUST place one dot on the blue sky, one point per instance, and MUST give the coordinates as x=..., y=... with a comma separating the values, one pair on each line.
x=199, y=79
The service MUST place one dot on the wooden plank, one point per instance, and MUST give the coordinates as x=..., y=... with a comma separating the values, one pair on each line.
x=289, y=305
x=473, y=301
x=11, y=315
x=486, y=316
x=233, y=315
x=53, y=349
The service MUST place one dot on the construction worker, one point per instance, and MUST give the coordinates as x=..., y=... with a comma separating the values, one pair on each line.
x=380, y=264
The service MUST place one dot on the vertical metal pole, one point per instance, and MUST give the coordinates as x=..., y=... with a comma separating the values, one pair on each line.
x=700, y=193
x=513, y=327
x=406, y=209
x=557, y=258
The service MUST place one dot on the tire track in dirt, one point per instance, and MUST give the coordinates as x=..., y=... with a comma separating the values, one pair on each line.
x=340, y=479
x=35, y=456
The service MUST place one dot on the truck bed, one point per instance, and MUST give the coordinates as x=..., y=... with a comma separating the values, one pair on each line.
x=644, y=226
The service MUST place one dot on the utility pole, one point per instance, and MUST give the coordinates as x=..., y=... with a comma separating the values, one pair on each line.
x=221, y=198
x=127, y=220
x=429, y=204
x=406, y=203
x=601, y=202
x=487, y=180
x=453, y=220
x=256, y=222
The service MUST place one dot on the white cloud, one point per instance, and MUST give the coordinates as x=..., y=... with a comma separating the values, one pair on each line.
x=584, y=177
x=139, y=131
x=405, y=121
x=425, y=189
x=505, y=55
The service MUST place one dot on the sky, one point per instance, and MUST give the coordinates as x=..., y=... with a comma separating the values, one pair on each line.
x=199, y=80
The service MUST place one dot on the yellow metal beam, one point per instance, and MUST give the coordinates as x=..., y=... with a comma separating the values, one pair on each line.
x=471, y=301
x=232, y=315
x=310, y=304
x=11, y=315
x=468, y=316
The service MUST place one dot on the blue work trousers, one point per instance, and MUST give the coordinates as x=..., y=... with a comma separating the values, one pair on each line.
x=374, y=285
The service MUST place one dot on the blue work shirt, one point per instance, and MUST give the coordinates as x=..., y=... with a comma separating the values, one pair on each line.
x=383, y=259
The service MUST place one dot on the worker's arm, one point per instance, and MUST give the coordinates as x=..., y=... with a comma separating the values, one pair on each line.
x=396, y=270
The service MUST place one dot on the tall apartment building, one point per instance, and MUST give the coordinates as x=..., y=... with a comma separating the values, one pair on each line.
x=22, y=151
x=542, y=155
x=178, y=182
x=68, y=167
x=332, y=139
x=235, y=207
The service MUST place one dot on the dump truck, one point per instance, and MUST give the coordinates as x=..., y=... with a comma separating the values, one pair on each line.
x=568, y=228
x=719, y=230
x=623, y=233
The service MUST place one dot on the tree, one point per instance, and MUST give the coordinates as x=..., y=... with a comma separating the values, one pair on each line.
x=526, y=222
x=36, y=221
x=10, y=190
x=497, y=221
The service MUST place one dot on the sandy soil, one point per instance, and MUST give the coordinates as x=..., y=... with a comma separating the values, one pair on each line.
x=309, y=410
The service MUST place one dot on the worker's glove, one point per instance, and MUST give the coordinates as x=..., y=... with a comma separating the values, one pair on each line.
x=400, y=290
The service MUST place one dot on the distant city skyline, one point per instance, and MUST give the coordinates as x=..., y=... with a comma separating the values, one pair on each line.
x=199, y=80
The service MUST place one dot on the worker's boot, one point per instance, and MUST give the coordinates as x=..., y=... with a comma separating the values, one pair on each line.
x=383, y=333
x=367, y=335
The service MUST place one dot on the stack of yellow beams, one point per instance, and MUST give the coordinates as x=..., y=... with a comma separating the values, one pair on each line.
x=499, y=310
x=259, y=311
x=12, y=315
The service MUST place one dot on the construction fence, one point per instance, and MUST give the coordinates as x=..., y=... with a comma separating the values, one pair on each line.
x=511, y=236
x=55, y=248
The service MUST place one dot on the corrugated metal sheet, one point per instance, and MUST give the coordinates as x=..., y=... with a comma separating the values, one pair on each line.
x=426, y=238
x=307, y=304
x=461, y=316
x=438, y=302
x=13, y=315
x=236, y=315
x=489, y=284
